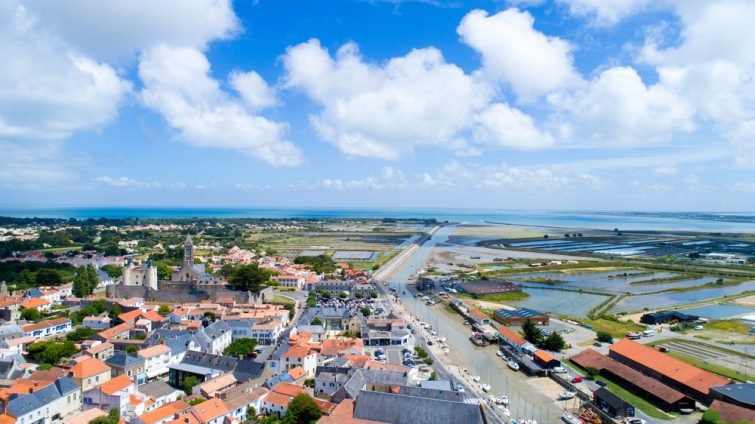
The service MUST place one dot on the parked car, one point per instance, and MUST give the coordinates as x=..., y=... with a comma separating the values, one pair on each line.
x=576, y=379
x=601, y=383
x=698, y=327
x=560, y=370
x=630, y=420
x=597, y=344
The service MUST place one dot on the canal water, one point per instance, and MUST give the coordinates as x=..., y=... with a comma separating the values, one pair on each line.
x=477, y=360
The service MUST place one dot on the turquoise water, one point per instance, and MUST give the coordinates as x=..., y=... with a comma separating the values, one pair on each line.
x=559, y=302
x=526, y=218
x=658, y=300
x=719, y=311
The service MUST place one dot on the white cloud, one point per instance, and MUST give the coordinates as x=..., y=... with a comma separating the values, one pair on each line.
x=118, y=29
x=178, y=85
x=505, y=126
x=253, y=89
x=617, y=109
x=711, y=67
x=418, y=99
x=385, y=111
x=48, y=89
x=127, y=182
x=512, y=49
x=608, y=11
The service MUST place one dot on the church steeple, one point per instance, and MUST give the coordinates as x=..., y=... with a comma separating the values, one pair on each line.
x=188, y=250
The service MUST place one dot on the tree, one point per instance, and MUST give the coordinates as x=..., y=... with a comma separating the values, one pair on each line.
x=604, y=336
x=112, y=270
x=241, y=348
x=248, y=278
x=115, y=310
x=316, y=321
x=130, y=349
x=52, y=352
x=591, y=372
x=163, y=310
x=197, y=401
x=359, y=295
x=92, y=278
x=711, y=416
x=211, y=316
x=302, y=410
x=321, y=264
x=111, y=418
x=48, y=277
x=189, y=383
x=373, y=295
x=554, y=342
x=365, y=310
x=80, y=334
x=80, y=285
x=251, y=415
x=531, y=333
x=310, y=382
x=31, y=314
x=164, y=271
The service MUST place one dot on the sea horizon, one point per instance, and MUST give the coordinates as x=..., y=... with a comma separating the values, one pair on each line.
x=586, y=219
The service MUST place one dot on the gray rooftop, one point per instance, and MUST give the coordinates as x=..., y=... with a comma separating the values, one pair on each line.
x=25, y=404
x=156, y=389
x=742, y=392
x=123, y=360
x=404, y=409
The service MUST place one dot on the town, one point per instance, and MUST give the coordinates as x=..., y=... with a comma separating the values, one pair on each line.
x=360, y=321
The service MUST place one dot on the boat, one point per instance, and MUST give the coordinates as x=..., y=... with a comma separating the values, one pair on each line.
x=513, y=365
x=466, y=371
x=506, y=412
x=442, y=339
x=445, y=350
x=567, y=395
x=476, y=378
x=499, y=353
x=503, y=400
x=570, y=418
x=485, y=387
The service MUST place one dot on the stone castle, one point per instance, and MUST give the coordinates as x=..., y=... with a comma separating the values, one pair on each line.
x=189, y=283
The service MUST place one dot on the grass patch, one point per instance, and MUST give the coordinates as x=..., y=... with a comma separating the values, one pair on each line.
x=498, y=298
x=734, y=325
x=715, y=369
x=628, y=396
x=616, y=329
x=283, y=300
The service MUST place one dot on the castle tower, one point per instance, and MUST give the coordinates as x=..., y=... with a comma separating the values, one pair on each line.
x=188, y=251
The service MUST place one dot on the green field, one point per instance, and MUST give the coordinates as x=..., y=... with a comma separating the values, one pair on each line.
x=497, y=298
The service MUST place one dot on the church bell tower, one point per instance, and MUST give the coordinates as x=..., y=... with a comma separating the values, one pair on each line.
x=188, y=251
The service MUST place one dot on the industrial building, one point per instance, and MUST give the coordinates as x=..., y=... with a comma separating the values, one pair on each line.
x=518, y=317
x=690, y=380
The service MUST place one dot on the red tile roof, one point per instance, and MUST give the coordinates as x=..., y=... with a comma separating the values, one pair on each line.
x=510, y=335
x=670, y=367
x=89, y=368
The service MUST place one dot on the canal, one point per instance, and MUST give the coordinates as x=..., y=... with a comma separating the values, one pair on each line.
x=525, y=399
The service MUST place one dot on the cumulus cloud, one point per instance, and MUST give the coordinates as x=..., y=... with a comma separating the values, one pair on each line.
x=513, y=50
x=387, y=110
x=712, y=69
x=254, y=90
x=49, y=89
x=504, y=126
x=117, y=29
x=178, y=85
x=617, y=109
x=606, y=12
x=384, y=111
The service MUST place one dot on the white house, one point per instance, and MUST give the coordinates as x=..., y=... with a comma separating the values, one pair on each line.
x=49, y=328
x=299, y=356
x=215, y=338
x=113, y=394
x=156, y=360
x=97, y=323
x=238, y=405
x=289, y=280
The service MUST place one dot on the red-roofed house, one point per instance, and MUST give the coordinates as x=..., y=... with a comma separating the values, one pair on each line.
x=299, y=356
x=112, y=394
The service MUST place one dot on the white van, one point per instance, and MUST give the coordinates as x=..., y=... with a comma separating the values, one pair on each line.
x=648, y=333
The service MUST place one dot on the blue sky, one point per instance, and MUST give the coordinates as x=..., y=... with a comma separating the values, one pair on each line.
x=562, y=104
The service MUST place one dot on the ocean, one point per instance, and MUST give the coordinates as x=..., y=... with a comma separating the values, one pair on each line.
x=570, y=219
